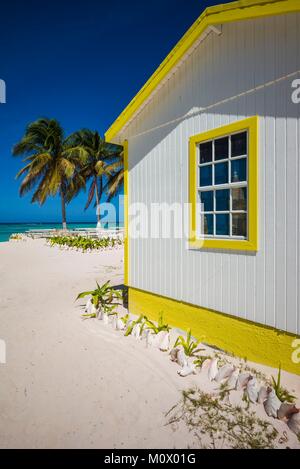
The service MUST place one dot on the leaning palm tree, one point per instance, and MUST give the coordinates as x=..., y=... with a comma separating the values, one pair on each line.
x=53, y=165
x=99, y=156
x=115, y=180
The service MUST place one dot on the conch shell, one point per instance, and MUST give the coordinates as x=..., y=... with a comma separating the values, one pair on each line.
x=181, y=358
x=272, y=404
x=232, y=380
x=150, y=338
x=136, y=331
x=187, y=370
x=173, y=354
x=163, y=341
x=88, y=306
x=105, y=318
x=262, y=395
x=294, y=423
x=286, y=411
x=242, y=381
x=114, y=321
x=213, y=369
x=224, y=372
x=120, y=325
x=252, y=390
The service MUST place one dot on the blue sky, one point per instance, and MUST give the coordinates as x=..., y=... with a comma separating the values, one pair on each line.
x=80, y=62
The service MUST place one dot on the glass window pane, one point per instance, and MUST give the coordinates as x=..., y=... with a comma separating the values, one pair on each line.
x=239, y=144
x=206, y=176
x=206, y=152
x=239, y=224
x=208, y=224
x=222, y=225
x=221, y=148
x=222, y=200
x=239, y=170
x=207, y=200
x=221, y=173
x=239, y=198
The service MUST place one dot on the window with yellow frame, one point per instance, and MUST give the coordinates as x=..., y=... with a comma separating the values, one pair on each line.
x=224, y=187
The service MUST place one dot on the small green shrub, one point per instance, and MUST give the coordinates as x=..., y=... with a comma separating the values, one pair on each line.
x=104, y=297
x=161, y=326
x=189, y=345
x=282, y=393
x=85, y=244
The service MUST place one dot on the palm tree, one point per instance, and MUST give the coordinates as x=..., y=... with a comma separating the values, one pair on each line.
x=99, y=156
x=52, y=164
x=115, y=170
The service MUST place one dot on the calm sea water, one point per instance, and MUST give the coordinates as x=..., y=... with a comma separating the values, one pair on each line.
x=6, y=229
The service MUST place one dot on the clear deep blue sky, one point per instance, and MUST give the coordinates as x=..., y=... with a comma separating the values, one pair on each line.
x=80, y=62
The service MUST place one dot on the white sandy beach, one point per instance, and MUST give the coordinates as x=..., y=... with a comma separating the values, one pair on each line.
x=70, y=383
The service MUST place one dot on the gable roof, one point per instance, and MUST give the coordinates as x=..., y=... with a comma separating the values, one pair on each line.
x=226, y=13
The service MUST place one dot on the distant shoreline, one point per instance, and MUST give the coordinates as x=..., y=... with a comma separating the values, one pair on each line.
x=7, y=229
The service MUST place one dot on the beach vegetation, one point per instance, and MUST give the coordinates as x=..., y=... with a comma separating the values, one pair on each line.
x=99, y=164
x=105, y=298
x=189, y=345
x=52, y=164
x=140, y=320
x=85, y=244
x=115, y=175
x=283, y=394
x=159, y=327
x=216, y=424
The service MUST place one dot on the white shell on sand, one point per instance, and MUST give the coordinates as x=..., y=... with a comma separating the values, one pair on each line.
x=120, y=326
x=136, y=331
x=262, y=395
x=224, y=372
x=213, y=369
x=182, y=358
x=205, y=364
x=105, y=318
x=173, y=354
x=151, y=339
x=100, y=314
x=232, y=380
x=94, y=311
x=294, y=423
x=242, y=381
x=286, y=410
x=163, y=341
x=252, y=389
x=114, y=321
x=88, y=306
x=272, y=404
x=187, y=370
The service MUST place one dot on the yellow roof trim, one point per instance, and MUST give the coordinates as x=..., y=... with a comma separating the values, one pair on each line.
x=230, y=12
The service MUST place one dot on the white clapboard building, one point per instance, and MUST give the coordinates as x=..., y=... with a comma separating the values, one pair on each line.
x=217, y=129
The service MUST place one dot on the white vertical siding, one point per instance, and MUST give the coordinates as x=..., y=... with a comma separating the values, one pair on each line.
x=262, y=286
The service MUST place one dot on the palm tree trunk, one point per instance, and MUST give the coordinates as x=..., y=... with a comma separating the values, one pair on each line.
x=63, y=210
x=97, y=200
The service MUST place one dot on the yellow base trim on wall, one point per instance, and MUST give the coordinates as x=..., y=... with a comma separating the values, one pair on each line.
x=245, y=339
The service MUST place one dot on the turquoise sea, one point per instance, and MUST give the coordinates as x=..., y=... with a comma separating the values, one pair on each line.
x=6, y=229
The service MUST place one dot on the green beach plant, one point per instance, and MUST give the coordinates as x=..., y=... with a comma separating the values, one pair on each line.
x=104, y=297
x=140, y=320
x=189, y=345
x=282, y=393
x=85, y=244
x=159, y=327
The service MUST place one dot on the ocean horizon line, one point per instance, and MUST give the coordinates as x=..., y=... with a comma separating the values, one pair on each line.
x=55, y=222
